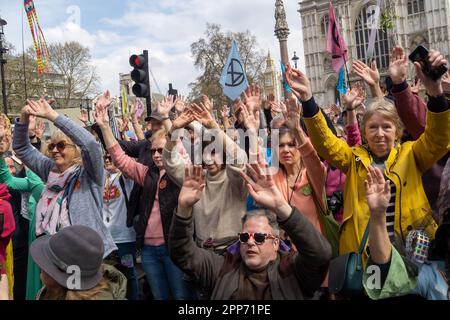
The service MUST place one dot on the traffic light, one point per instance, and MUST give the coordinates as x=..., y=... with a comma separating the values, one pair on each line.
x=140, y=75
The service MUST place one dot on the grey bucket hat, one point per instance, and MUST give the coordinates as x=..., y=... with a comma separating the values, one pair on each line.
x=71, y=248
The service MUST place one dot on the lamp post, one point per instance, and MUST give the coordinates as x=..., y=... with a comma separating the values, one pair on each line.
x=295, y=59
x=2, y=68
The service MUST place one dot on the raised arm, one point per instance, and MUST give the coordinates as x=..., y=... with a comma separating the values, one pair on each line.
x=378, y=194
x=29, y=155
x=370, y=75
x=352, y=100
x=14, y=183
x=410, y=107
x=312, y=263
x=135, y=121
x=203, y=265
x=328, y=146
x=434, y=143
x=124, y=163
x=91, y=151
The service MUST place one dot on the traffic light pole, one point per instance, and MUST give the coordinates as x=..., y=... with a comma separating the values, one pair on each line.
x=148, y=98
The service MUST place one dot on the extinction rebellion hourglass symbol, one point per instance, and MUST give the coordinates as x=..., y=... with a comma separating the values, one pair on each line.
x=236, y=71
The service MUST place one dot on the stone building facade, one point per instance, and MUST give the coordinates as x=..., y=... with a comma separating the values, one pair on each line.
x=415, y=22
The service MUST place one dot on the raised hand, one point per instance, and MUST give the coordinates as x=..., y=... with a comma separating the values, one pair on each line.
x=83, y=116
x=183, y=120
x=251, y=117
x=292, y=114
x=194, y=183
x=164, y=107
x=263, y=189
x=378, y=193
x=207, y=103
x=252, y=98
x=101, y=116
x=398, y=65
x=104, y=101
x=354, y=98
x=42, y=109
x=277, y=107
x=180, y=104
x=40, y=128
x=370, y=75
x=204, y=116
x=299, y=83
x=224, y=112
x=433, y=87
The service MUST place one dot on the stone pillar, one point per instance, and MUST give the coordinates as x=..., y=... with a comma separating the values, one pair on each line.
x=282, y=32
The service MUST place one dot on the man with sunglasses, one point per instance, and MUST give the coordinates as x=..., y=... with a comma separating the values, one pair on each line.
x=259, y=270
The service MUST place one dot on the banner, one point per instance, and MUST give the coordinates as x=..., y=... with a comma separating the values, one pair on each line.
x=342, y=86
x=335, y=43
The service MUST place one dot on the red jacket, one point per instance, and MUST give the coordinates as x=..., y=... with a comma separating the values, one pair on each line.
x=7, y=225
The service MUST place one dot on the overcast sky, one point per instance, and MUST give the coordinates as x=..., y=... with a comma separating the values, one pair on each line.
x=115, y=29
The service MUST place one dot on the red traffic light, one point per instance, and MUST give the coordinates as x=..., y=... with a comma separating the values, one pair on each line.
x=137, y=61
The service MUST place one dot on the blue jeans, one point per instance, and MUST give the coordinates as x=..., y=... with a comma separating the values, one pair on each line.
x=163, y=276
x=127, y=255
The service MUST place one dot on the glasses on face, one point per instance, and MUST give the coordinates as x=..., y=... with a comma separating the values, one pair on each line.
x=159, y=150
x=257, y=236
x=60, y=146
x=107, y=158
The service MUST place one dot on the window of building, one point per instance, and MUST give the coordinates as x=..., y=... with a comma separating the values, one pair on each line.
x=416, y=6
x=362, y=35
x=324, y=24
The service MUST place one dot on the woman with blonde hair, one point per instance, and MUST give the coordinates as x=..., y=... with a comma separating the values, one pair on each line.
x=72, y=173
x=402, y=164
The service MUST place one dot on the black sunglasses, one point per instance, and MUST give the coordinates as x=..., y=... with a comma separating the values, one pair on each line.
x=60, y=146
x=159, y=150
x=257, y=236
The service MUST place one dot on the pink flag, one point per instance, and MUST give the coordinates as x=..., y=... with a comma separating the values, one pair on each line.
x=335, y=43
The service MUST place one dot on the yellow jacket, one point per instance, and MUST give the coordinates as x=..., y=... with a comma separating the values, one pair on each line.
x=404, y=167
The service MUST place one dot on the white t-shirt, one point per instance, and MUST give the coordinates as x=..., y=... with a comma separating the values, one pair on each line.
x=115, y=209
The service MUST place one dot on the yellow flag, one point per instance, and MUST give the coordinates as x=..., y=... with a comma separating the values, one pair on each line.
x=124, y=101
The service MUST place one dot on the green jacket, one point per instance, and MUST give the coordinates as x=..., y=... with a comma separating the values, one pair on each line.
x=33, y=185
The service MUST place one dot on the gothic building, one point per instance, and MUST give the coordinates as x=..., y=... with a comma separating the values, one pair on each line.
x=272, y=80
x=414, y=22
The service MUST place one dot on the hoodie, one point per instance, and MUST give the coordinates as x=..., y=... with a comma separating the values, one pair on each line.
x=7, y=224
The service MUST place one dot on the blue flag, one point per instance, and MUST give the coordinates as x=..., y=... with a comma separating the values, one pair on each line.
x=286, y=86
x=233, y=79
x=342, y=86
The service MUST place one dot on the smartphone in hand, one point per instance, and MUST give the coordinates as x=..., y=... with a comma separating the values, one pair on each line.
x=420, y=54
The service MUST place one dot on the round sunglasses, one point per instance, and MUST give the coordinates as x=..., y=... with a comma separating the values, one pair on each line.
x=259, y=237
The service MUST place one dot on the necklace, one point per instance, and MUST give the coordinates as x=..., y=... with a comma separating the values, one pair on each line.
x=293, y=187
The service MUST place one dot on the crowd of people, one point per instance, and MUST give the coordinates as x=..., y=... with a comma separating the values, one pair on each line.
x=252, y=206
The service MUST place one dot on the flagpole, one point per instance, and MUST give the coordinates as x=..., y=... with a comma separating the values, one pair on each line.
x=23, y=62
